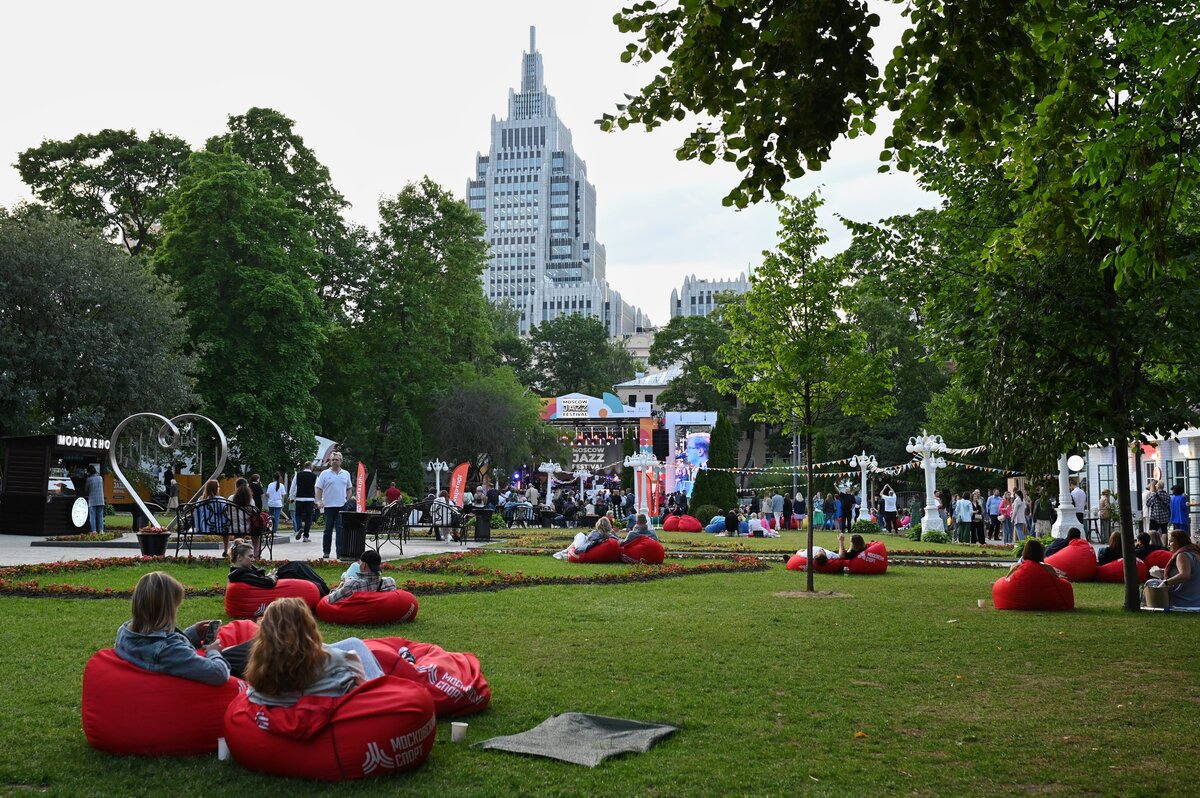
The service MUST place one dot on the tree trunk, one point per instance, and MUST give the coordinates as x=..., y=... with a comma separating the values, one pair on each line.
x=1125, y=507
x=808, y=474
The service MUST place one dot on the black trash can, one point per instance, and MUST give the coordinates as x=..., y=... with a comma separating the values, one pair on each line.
x=483, y=526
x=354, y=536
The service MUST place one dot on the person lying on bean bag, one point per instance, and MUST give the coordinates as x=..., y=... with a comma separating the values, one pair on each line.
x=150, y=639
x=289, y=659
x=824, y=561
x=582, y=542
x=368, y=579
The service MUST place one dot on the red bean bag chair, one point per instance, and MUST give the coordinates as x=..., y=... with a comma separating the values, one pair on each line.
x=1032, y=587
x=367, y=608
x=605, y=551
x=454, y=680
x=873, y=561
x=688, y=523
x=1115, y=572
x=130, y=711
x=1077, y=560
x=644, y=550
x=1158, y=559
x=799, y=562
x=383, y=726
x=247, y=601
x=671, y=523
x=795, y=522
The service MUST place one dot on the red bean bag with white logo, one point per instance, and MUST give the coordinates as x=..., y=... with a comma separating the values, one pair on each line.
x=130, y=711
x=1115, y=572
x=1158, y=559
x=688, y=523
x=799, y=562
x=381, y=727
x=644, y=550
x=1032, y=587
x=367, y=608
x=605, y=551
x=1077, y=560
x=671, y=523
x=873, y=561
x=247, y=601
x=453, y=679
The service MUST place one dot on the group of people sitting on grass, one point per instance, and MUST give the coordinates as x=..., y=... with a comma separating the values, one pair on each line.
x=285, y=660
x=604, y=531
x=1182, y=574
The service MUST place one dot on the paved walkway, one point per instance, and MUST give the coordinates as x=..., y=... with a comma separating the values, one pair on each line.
x=17, y=549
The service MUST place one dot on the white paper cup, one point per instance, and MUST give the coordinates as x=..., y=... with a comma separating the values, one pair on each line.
x=222, y=749
x=981, y=603
x=458, y=732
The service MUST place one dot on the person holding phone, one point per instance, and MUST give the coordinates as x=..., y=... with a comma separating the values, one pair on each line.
x=151, y=641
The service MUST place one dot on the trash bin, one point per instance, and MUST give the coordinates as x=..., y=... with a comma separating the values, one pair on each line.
x=483, y=526
x=354, y=536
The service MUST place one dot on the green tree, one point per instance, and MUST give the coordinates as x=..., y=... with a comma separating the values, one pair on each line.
x=243, y=259
x=692, y=342
x=267, y=139
x=790, y=348
x=492, y=414
x=112, y=180
x=717, y=487
x=424, y=314
x=509, y=348
x=1111, y=370
x=88, y=335
x=573, y=353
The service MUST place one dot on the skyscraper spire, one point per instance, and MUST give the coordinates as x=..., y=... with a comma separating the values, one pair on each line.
x=532, y=39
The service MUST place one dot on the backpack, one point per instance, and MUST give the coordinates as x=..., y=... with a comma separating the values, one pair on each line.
x=260, y=522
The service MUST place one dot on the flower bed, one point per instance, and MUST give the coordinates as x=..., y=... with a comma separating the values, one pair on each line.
x=15, y=581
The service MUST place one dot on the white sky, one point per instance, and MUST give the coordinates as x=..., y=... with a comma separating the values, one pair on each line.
x=386, y=92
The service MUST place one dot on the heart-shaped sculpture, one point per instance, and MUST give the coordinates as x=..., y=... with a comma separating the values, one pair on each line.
x=169, y=437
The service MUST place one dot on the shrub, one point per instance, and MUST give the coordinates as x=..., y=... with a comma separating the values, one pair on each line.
x=718, y=487
x=1019, y=546
x=705, y=512
x=865, y=528
x=933, y=536
x=498, y=521
x=914, y=531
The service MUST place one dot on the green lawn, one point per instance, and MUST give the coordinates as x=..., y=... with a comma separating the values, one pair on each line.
x=769, y=691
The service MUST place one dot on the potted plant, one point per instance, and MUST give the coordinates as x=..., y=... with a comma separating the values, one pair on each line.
x=152, y=540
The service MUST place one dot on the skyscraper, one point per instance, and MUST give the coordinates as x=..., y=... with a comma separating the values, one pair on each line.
x=533, y=193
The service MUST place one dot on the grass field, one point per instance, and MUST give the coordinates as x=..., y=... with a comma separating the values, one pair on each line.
x=770, y=692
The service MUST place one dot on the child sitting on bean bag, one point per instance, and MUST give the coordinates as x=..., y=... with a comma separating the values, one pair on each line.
x=367, y=579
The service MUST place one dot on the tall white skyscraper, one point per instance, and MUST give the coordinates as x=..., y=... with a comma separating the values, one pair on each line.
x=540, y=209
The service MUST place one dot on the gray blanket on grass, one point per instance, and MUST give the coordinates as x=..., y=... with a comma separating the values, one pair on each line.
x=582, y=739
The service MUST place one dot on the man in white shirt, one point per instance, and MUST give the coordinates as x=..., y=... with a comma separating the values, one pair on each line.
x=333, y=488
x=532, y=495
x=1079, y=498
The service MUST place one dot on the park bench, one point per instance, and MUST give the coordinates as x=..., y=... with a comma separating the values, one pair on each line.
x=220, y=517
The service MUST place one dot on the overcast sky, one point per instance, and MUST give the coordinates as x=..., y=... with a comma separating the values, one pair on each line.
x=386, y=92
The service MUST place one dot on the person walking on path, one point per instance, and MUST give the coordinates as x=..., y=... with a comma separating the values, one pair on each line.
x=332, y=489
x=95, y=499
x=304, y=493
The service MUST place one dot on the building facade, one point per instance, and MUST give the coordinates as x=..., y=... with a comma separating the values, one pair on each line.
x=533, y=192
x=698, y=296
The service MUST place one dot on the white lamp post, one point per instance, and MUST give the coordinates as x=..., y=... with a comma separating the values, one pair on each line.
x=929, y=447
x=549, y=469
x=581, y=474
x=1066, y=520
x=866, y=463
x=437, y=467
x=640, y=462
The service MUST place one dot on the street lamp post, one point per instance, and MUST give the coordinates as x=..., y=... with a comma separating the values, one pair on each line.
x=437, y=467
x=1066, y=520
x=640, y=463
x=549, y=469
x=929, y=447
x=866, y=463
x=581, y=474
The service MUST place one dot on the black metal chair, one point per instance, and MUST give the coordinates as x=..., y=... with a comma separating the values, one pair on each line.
x=219, y=517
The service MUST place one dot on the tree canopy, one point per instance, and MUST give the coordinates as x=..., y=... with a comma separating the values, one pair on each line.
x=692, y=342
x=573, y=353
x=88, y=335
x=112, y=180
x=243, y=258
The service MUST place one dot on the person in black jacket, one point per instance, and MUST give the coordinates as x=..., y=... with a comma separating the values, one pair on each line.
x=1061, y=543
x=304, y=492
